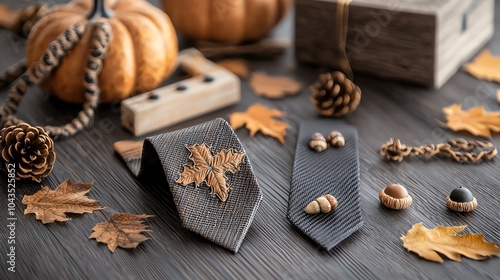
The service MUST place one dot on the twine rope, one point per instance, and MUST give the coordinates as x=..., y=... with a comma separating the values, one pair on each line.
x=12, y=73
x=29, y=16
x=51, y=59
x=458, y=150
x=342, y=22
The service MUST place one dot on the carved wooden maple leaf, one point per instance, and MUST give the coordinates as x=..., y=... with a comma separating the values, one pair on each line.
x=485, y=66
x=273, y=87
x=210, y=169
x=259, y=117
x=123, y=230
x=475, y=120
x=51, y=205
x=427, y=243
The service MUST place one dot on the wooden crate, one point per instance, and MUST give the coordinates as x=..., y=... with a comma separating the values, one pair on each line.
x=419, y=41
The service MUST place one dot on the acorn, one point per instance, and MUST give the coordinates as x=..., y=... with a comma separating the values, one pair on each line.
x=336, y=139
x=318, y=142
x=323, y=204
x=395, y=196
x=461, y=200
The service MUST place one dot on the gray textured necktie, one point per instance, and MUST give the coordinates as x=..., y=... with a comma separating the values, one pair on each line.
x=334, y=171
x=222, y=222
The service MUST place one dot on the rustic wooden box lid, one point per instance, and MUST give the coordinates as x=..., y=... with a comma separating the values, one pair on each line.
x=420, y=41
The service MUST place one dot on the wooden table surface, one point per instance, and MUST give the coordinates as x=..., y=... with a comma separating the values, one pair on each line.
x=273, y=248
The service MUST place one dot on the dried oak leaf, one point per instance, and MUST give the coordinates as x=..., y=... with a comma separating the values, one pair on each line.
x=239, y=67
x=210, y=169
x=122, y=230
x=427, y=243
x=485, y=66
x=51, y=205
x=273, y=87
x=259, y=117
x=475, y=120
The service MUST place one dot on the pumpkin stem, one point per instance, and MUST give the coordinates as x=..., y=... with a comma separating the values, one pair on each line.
x=99, y=10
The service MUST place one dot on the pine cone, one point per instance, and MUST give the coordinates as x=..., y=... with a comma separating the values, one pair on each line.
x=334, y=95
x=29, y=148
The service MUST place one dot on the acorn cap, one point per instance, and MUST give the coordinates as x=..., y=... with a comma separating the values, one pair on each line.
x=395, y=196
x=461, y=206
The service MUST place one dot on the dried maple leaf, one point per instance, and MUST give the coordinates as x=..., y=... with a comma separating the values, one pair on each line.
x=51, y=205
x=475, y=120
x=239, y=67
x=485, y=66
x=259, y=117
x=427, y=243
x=210, y=169
x=122, y=230
x=273, y=87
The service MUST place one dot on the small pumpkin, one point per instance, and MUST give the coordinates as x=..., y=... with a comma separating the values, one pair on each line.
x=142, y=52
x=227, y=21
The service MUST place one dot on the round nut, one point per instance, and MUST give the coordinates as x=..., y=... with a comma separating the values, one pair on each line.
x=323, y=204
x=396, y=191
x=461, y=195
x=312, y=208
x=461, y=200
x=318, y=142
x=336, y=139
x=395, y=196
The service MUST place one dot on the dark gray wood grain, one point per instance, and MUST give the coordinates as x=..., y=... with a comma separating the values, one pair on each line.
x=273, y=248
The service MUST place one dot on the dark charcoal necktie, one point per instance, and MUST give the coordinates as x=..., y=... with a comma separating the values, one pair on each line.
x=334, y=171
x=224, y=223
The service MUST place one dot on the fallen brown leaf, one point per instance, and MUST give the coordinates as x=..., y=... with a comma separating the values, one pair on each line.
x=474, y=120
x=485, y=66
x=123, y=230
x=210, y=169
x=131, y=153
x=427, y=243
x=273, y=87
x=51, y=205
x=9, y=18
x=239, y=67
x=259, y=117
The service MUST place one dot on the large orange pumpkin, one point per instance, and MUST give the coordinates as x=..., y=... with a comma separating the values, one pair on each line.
x=142, y=51
x=228, y=21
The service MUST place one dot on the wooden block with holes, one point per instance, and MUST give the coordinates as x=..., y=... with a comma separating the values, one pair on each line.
x=211, y=88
